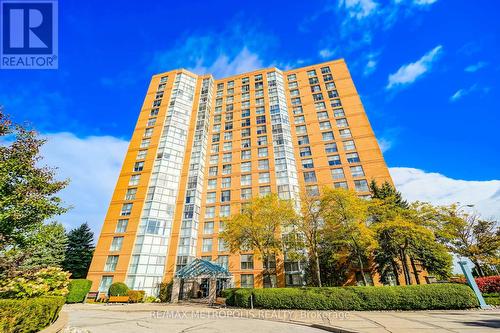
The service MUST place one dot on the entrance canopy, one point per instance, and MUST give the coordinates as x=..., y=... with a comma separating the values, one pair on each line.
x=202, y=268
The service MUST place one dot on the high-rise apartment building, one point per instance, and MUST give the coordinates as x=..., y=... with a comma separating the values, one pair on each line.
x=202, y=146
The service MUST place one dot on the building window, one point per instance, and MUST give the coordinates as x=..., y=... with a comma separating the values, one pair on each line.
x=338, y=113
x=331, y=148
x=296, y=101
x=264, y=190
x=134, y=180
x=141, y=154
x=227, y=157
x=315, y=88
x=225, y=211
x=212, y=184
x=116, y=244
x=342, y=123
x=261, y=119
x=213, y=171
x=126, y=209
x=318, y=97
x=338, y=173
x=223, y=261
x=294, y=92
x=226, y=182
x=138, y=166
x=311, y=73
x=361, y=185
x=325, y=125
x=357, y=171
x=313, y=80
x=262, y=140
x=246, y=166
x=222, y=247
x=111, y=262
x=264, y=178
x=263, y=165
x=334, y=160
x=210, y=212
x=228, y=136
x=327, y=77
x=298, y=110
x=245, y=113
x=154, y=112
x=345, y=133
x=206, y=245
x=305, y=151
x=225, y=196
x=106, y=282
x=292, y=77
x=246, y=154
x=246, y=193
x=299, y=120
x=327, y=136
x=340, y=185
x=211, y=196
x=322, y=115
x=208, y=228
x=247, y=261
x=214, y=159
x=333, y=94
x=310, y=177
x=349, y=145
x=121, y=226
x=246, y=281
x=292, y=85
x=130, y=195
x=307, y=163
x=301, y=129
x=352, y=158
x=226, y=169
x=312, y=190
x=262, y=152
x=325, y=70
x=335, y=103
x=148, y=132
x=303, y=140
x=245, y=143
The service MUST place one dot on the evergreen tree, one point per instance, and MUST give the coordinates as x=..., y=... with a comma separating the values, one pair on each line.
x=47, y=248
x=79, y=251
x=387, y=191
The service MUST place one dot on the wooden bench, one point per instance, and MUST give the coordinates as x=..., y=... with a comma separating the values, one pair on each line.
x=91, y=296
x=219, y=302
x=118, y=299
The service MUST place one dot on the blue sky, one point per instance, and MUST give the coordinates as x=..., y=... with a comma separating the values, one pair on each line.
x=427, y=72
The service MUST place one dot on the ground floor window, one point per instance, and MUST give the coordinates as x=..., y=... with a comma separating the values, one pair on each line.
x=246, y=280
x=106, y=282
x=270, y=281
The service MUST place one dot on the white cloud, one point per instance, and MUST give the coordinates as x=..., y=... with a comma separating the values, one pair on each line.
x=359, y=9
x=370, y=67
x=384, y=144
x=408, y=73
x=92, y=164
x=224, y=65
x=327, y=53
x=424, y=2
x=460, y=93
x=475, y=67
x=436, y=188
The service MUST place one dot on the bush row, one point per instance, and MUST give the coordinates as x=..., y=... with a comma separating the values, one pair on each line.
x=489, y=284
x=30, y=314
x=419, y=297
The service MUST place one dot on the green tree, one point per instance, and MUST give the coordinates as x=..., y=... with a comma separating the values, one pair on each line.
x=306, y=232
x=259, y=226
x=79, y=251
x=27, y=190
x=47, y=248
x=345, y=216
x=467, y=235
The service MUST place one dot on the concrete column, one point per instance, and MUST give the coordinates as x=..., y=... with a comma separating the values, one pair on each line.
x=212, y=290
x=176, y=286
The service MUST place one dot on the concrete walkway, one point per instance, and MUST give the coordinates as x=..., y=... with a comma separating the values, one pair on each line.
x=96, y=318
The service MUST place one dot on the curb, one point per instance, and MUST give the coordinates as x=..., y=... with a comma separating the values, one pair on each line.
x=59, y=325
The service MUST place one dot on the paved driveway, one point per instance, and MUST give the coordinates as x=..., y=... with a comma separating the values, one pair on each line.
x=106, y=319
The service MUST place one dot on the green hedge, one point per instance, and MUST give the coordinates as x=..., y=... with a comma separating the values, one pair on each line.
x=419, y=297
x=30, y=314
x=118, y=289
x=77, y=290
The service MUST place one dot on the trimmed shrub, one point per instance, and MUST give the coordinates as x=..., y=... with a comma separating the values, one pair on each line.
x=50, y=281
x=228, y=294
x=136, y=296
x=489, y=284
x=78, y=290
x=242, y=297
x=30, y=314
x=419, y=297
x=118, y=289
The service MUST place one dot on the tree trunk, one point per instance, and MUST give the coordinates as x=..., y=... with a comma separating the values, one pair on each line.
x=404, y=264
x=478, y=268
x=318, y=272
x=395, y=272
x=362, y=267
x=415, y=272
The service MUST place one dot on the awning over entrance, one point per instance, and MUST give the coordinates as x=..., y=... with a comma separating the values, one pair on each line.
x=202, y=268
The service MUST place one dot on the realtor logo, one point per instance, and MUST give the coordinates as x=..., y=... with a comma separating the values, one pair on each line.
x=28, y=34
